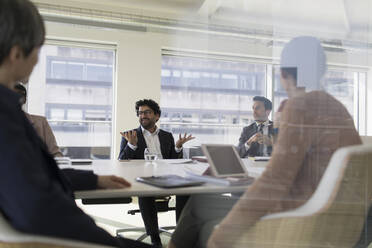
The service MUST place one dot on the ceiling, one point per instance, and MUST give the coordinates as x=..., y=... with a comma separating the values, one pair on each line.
x=333, y=20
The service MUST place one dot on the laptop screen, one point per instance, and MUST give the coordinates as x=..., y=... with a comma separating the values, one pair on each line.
x=225, y=160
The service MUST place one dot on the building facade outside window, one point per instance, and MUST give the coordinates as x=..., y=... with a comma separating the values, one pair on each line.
x=72, y=86
x=212, y=98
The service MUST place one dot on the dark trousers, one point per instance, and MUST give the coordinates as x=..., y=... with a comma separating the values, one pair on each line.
x=150, y=214
x=200, y=215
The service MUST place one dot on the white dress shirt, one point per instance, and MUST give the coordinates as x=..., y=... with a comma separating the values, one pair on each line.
x=152, y=142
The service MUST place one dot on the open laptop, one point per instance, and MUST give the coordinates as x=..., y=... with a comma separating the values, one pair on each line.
x=225, y=164
x=224, y=161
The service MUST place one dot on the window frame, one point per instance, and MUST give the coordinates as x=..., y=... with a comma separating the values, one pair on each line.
x=108, y=46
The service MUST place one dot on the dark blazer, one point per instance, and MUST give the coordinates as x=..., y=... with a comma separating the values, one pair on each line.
x=35, y=195
x=167, y=146
x=246, y=134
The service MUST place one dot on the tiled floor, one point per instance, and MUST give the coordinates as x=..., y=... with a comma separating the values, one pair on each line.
x=114, y=216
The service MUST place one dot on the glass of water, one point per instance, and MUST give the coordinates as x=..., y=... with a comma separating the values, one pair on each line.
x=150, y=156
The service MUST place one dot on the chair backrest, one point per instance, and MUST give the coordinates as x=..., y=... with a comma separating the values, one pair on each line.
x=332, y=217
x=367, y=140
x=348, y=178
x=10, y=237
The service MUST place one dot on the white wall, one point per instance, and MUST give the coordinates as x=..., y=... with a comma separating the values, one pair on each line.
x=139, y=62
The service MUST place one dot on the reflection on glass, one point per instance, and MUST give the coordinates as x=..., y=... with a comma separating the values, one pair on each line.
x=340, y=84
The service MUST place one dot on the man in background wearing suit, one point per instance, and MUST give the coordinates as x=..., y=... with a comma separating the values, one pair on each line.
x=157, y=141
x=255, y=139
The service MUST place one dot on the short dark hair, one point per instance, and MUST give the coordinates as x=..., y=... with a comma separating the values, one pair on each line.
x=291, y=71
x=154, y=106
x=267, y=102
x=20, y=25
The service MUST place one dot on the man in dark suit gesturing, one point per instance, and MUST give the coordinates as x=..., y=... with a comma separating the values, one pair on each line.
x=157, y=141
x=255, y=139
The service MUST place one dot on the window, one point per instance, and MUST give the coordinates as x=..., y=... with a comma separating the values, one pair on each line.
x=342, y=83
x=210, y=98
x=72, y=87
x=279, y=92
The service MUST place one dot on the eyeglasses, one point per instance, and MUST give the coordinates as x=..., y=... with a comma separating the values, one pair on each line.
x=146, y=112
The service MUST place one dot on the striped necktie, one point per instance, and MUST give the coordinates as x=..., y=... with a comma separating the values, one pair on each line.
x=260, y=127
x=261, y=146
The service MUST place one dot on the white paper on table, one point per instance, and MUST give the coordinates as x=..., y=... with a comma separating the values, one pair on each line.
x=255, y=171
x=248, y=162
x=197, y=168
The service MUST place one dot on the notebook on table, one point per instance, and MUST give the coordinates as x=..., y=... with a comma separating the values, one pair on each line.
x=261, y=159
x=81, y=161
x=170, y=181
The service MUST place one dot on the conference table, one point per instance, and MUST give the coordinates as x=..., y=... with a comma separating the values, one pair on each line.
x=131, y=169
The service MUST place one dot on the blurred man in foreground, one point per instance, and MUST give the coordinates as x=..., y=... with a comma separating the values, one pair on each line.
x=35, y=195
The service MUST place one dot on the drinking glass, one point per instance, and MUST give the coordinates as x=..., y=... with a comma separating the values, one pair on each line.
x=150, y=156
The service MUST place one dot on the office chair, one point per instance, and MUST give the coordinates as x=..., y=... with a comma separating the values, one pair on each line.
x=332, y=217
x=162, y=205
x=367, y=140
